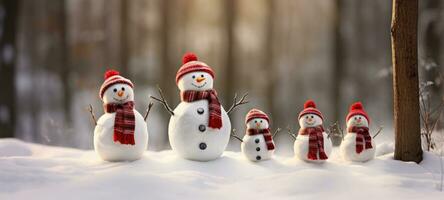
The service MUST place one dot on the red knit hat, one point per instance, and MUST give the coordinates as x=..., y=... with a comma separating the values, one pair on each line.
x=191, y=64
x=112, y=77
x=310, y=108
x=255, y=113
x=357, y=109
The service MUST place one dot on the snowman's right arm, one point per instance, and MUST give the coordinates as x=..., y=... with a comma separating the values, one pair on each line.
x=163, y=101
x=290, y=132
x=233, y=134
x=91, y=112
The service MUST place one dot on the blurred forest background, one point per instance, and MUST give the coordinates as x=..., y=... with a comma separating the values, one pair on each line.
x=53, y=54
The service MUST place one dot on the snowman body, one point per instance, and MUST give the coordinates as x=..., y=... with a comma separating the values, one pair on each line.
x=114, y=151
x=104, y=143
x=188, y=131
x=301, y=144
x=254, y=148
x=348, y=146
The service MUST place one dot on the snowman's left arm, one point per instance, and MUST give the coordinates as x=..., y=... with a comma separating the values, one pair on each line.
x=379, y=131
x=150, y=105
x=237, y=103
x=276, y=132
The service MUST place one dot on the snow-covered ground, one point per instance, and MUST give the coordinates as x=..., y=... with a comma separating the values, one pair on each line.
x=31, y=171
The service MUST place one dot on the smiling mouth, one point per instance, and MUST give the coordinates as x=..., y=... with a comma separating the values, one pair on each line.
x=199, y=86
x=122, y=100
x=309, y=123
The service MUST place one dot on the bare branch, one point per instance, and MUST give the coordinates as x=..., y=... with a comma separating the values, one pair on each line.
x=276, y=132
x=379, y=131
x=93, y=117
x=150, y=105
x=237, y=103
x=163, y=101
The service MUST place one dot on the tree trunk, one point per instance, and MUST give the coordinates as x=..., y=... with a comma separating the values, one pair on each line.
x=7, y=67
x=405, y=80
x=338, y=69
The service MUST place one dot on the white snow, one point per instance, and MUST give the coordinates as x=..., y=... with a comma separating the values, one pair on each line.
x=31, y=171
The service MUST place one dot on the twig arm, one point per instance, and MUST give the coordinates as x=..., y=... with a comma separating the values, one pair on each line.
x=150, y=105
x=276, y=132
x=290, y=133
x=379, y=131
x=163, y=101
x=236, y=103
x=91, y=112
x=234, y=135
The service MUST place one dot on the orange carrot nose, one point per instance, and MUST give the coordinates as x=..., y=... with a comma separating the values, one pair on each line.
x=120, y=93
x=200, y=79
x=257, y=124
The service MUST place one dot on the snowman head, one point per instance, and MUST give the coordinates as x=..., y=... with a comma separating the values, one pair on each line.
x=310, y=120
x=256, y=119
x=310, y=116
x=116, y=89
x=357, y=116
x=257, y=123
x=199, y=81
x=357, y=120
x=194, y=75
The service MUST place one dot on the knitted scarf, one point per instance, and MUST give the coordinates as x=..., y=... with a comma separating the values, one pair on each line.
x=124, y=123
x=315, y=142
x=267, y=136
x=215, y=119
x=363, y=138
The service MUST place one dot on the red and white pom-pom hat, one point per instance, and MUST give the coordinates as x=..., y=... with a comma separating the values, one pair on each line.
x=191, y=64
x=256, y=113
x=310, y=108
x=113, y=77
x=357, y=109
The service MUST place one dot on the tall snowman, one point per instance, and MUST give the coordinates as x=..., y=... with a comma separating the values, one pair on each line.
x=121, y=133
x=358, y=144
x=199, y=127
x=312, y=143
x=257, y=143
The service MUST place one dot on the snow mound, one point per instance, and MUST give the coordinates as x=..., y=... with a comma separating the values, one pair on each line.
x=31, y=171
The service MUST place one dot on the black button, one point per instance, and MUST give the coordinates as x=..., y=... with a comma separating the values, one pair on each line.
x=202, y=128
x=202, y=146
x=256, y=140
x=200, y=111
x=258, y=148
x=258, y=157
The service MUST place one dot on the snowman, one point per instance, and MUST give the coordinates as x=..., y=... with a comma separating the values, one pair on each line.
x=312, y=143
x=121, y=133
x=199, y=127
x=358, y=144
x=257, y=143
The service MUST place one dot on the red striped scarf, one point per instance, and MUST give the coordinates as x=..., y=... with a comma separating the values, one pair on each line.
x=215, y=119
x=124, y=123
x=363, y=138
x=315, y=142
x=267, y=136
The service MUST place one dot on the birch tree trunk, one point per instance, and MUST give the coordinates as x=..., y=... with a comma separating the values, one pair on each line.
x=405, y=80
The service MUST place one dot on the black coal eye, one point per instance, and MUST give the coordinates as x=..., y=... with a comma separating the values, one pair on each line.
x=202, y=75
x=359, y=117
x=193, y=77
x=261, y=121
x=255, y=121
x=312, y=117
x=123, y=89
x=115, y=90
x=306, y=117
x=356, y=118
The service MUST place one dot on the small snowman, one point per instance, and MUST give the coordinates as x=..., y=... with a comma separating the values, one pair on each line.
x=257, y=143
x=199, y=127
x=121, y=133
x=358, y=144
x=312, y=143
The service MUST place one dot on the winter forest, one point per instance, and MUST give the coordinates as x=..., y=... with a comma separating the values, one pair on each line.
x=54, y=53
